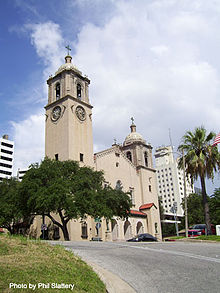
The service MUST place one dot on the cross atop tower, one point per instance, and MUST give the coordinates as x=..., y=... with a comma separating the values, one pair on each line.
x=68, y=49
x=133, y=126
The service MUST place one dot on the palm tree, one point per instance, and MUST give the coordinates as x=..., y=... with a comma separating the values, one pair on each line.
x=201, y=160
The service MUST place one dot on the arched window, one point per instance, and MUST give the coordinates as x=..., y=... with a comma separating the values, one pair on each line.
x=57, y=91
x=132, y=195
x=56, y=233
x=118, y=185
x=146, y=159
x=79, y=91
x=129, y=156
x=84, y=230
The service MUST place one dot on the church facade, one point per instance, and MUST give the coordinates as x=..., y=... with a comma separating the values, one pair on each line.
x=68, y=136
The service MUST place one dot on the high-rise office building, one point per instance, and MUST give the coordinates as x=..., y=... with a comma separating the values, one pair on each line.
x=21, y=173
x=170, y=181
x=6, y=157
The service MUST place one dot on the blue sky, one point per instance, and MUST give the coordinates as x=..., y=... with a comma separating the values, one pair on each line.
x=155, y=60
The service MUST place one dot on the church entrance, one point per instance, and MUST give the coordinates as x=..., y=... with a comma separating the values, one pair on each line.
x=127, y=230
x=114, y=230
x=140, y=228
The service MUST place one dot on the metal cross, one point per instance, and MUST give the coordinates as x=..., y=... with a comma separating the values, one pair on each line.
x=115, y=141
x=68, y=49
x=132, y=120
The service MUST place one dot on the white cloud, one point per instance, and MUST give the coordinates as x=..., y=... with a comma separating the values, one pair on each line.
x=48, y=42
x=150, y=61
x=159, y=50
x=154, y=60
x=29, y=141
x=29, y=133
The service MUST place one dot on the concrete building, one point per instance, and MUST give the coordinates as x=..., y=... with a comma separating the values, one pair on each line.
x=68, y=135
x=6, y=157
x=170, y=180
x=20, y=174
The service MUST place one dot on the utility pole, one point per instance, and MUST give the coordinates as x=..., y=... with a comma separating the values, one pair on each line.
x=174, y=211
x=185, y=198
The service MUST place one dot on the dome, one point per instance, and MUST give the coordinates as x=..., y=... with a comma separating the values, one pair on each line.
x=67, y=66
x=134, y=136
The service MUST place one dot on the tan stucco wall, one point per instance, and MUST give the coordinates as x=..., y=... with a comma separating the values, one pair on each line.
x=68, y=136
x=125, y=172
x=139, y=180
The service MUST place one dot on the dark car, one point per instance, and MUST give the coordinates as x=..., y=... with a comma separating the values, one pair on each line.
x=143, y=237
x=202, y=228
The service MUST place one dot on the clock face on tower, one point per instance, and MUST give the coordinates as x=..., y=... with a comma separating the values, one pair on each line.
x=56, y=113
x=80, y=113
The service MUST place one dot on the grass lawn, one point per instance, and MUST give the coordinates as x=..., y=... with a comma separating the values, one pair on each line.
x=27, y=262
x=203, y=237
x=210, y=237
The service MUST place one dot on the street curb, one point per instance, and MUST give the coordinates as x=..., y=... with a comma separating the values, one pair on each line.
x=113, y=283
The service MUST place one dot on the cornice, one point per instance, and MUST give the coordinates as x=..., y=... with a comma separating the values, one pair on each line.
x=146, y=168
x=48, y=106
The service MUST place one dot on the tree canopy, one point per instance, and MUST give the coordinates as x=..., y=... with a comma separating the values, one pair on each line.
x=8, y=210
x=202, y=160
x=12, y=211
x=214, y=205
x=195, y=208
x=64, y=188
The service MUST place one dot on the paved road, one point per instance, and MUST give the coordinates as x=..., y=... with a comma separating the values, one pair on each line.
x=157, y=267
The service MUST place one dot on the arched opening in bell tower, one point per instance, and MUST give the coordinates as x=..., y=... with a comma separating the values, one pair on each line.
x=57, y=91
x=129, y=156
x=79, y=91
x=146, y=159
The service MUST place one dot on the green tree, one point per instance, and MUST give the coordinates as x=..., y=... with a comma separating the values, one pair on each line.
x=9, y=211
x=202, y=160
x=14, y=215
x=194, y=208
x=65, y=189
x=214, y=205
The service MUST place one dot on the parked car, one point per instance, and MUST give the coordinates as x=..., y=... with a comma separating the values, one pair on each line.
x=143, y=237
x=194, y=233
x=202, y=228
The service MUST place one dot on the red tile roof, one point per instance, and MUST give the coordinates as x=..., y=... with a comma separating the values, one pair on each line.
x=146, y=206
x=137, y=213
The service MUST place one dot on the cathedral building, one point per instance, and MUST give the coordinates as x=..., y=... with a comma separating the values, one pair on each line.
x=129, y=166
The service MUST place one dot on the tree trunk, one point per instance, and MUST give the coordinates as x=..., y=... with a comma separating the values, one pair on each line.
x=62, y=226
x=205, y=206
x=65, y=232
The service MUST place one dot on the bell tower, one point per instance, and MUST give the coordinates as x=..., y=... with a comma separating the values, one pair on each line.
x=136, y=149
x=68, y=126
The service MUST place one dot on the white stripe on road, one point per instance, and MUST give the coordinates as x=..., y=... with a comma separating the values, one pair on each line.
x=201, y=257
